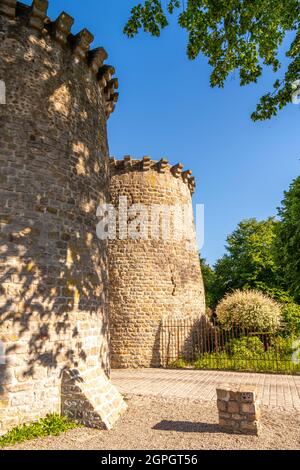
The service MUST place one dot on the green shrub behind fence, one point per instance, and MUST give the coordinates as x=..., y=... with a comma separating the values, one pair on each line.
x=207, y=345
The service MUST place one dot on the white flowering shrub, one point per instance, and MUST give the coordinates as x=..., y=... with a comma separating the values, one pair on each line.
x=252, y=310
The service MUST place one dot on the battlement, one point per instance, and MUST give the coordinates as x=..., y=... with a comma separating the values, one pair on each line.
x=154, y=269
x=35, y=17
x=162, y=166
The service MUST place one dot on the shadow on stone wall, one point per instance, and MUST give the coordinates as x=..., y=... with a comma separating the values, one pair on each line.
x=53, y=271
x=200, y=339
x=185, y=338
x=156, y=360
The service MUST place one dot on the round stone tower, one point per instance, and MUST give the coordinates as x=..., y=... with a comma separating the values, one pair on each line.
x=53, y=175
x=154, y=263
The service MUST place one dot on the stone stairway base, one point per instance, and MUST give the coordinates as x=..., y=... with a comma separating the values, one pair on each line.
x=90, y=399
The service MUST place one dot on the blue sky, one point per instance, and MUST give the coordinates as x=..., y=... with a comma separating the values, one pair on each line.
x=167, y=109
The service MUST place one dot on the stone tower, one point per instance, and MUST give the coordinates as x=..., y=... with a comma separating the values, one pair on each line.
x=53, y=175
x=156, y=274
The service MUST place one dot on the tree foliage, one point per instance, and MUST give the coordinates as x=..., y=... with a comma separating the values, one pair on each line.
x=261, y=255
x=209, y=279
x=291, y=319
x=250, y=261
x=288, y=239
x=242, y=35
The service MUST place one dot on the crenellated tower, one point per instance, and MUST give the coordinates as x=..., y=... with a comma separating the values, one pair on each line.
x=53, y=175
x=154, y=275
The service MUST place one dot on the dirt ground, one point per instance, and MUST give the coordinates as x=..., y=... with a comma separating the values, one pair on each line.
x=168, y=424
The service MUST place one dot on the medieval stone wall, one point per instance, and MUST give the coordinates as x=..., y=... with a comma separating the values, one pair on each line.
x=54, y=270
x=53, y=175
x=151, y=278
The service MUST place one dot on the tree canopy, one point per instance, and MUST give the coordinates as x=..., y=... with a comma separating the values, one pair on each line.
x=250, y=263
x=288, y=239
x=243, y=35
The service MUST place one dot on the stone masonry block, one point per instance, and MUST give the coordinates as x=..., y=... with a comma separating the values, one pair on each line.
x=222, y=405
x=8, y=8
x=223, y=393
x=248, y=408
x=250, y=427
x=239, y=409
x=93, y=406
x=247, y=394
x=233, y=407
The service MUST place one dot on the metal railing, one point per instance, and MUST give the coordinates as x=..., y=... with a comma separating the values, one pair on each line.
x=206, y=345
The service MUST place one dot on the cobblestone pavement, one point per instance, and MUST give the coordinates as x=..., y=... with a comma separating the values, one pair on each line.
x=280, y=391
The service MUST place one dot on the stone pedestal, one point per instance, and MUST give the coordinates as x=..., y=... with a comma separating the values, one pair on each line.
x=239, y=409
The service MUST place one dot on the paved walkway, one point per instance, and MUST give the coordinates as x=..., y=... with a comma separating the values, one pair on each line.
x=280, y=391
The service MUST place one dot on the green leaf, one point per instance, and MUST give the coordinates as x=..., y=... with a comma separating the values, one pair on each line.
x=242, y=35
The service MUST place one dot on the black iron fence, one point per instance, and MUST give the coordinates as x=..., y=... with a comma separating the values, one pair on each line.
x=204, y=344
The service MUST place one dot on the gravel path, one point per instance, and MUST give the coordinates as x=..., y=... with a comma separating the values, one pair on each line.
x=165, y=423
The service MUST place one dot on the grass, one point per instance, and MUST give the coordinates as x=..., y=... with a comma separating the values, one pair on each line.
x=52, y=425
x=224, y=361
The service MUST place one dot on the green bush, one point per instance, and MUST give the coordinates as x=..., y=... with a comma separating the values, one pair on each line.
x=245, y=348
x=291, y=319
x=250, y=309
x=179, y=364
x=283, y=347
x=251, y=347
x=278, y=358
x=267, y=363
x=250, y=354
x=52, y=425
